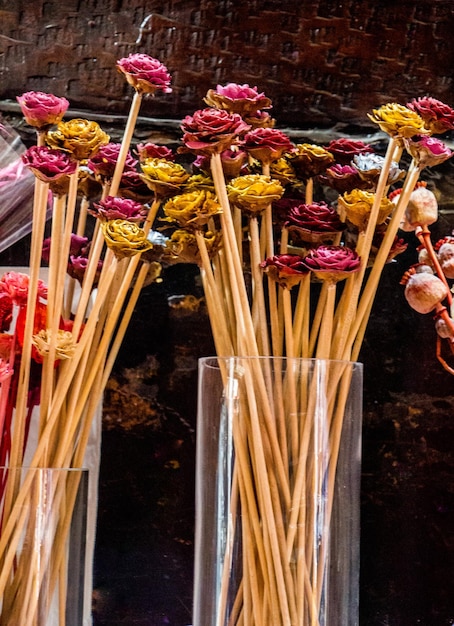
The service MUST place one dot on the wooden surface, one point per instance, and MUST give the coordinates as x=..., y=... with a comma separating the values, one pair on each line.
x=320, y=62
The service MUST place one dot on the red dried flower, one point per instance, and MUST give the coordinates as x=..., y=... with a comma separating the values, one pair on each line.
x=211, y=131
x=6, y=312
x=153, y=151
x=344, y=149
x=438, y=117
x=314, y=222
x=266, y=144
x=286, y=269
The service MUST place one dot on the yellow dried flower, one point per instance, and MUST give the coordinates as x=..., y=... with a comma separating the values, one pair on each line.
x=283, y=171
x=254, y=192
x=357, y=205
x=182, y=246
x=81, y=138
x=192, y=209
x=309, y=160
x=164, y=177
x=398, y=120
x=125, y=238
x=64, y=345
x=200, y=181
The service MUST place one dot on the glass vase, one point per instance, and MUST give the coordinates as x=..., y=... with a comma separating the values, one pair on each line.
x=277, y=492
x=43, y=546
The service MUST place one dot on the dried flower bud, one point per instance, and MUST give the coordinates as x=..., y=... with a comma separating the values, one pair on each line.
x=103, y=163
x=344, y=149
x=313, y=223
x=446, y=258
x=422, y=208
x=443, y=329
x=424, y=292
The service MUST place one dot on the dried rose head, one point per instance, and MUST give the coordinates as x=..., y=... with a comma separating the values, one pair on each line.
x=236, y=98
x=313, y=223
x=42, y=110
x=428, y=151
x=113, y=208
x=286, y=269
x=332, y=263
x=146, y=74
x=210, y=131
x=398, y=121
x=103, y=163
x=79, y=137
x=344, y=149
x=438, y=117
x=266, y=144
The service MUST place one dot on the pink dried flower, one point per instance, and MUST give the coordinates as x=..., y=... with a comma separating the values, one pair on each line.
x=77, y=267
x=211, y=131
x=342, y=178
x=103, y=163
x=42, y=109
x=428, y=151
x=144, y=73
x=286, y=269
x=15, y=285
x=133, y=187
x=438, y=117
x=153, y=151
x=113, y=208
x=332, y=262
x=344, y=149
x=266, y=144
x=236, y=98
x=79, y=245
x=48, y=164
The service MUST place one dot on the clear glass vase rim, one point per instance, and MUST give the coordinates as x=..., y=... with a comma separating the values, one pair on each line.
x=212, y=361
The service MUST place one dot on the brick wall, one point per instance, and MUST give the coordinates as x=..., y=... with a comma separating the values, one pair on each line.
x=320, y=62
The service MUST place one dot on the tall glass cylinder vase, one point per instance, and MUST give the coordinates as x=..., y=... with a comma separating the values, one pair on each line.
x=277, y=492
x=42, y=546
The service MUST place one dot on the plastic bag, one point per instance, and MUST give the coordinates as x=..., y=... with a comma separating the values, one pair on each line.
x=16, y=189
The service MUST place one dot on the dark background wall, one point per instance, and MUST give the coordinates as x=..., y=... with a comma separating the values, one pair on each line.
x=325, y=65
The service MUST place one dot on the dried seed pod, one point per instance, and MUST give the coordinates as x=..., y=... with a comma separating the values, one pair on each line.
x=425, y=291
